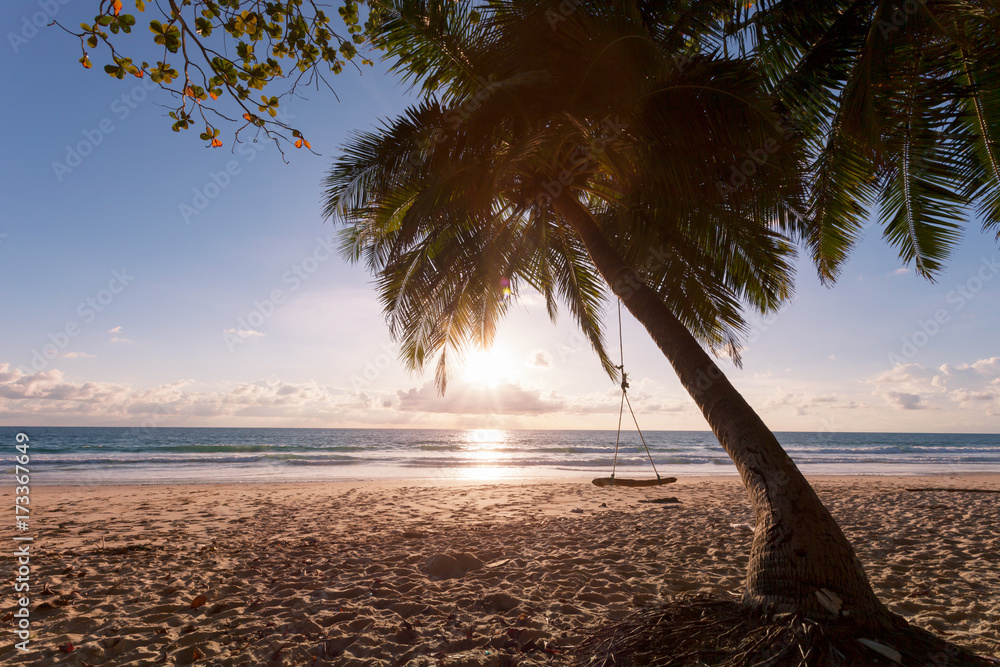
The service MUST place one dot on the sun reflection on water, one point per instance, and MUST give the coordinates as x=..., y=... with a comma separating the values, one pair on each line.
x=485, y=454
x=485, y=436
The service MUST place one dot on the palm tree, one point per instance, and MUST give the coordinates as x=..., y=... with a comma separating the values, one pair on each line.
x=900, y=104
x=559, y=143
x=552, y=156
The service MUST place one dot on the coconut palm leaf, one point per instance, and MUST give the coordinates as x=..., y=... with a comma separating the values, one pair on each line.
x=451, y=202
x=899, y=105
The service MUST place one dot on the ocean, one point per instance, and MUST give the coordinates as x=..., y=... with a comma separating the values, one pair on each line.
x=82, y=456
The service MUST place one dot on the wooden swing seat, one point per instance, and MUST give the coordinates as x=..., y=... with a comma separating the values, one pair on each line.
x=615, y=481
x=608, y=481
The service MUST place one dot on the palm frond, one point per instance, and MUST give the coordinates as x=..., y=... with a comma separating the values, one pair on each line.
x=451, y=204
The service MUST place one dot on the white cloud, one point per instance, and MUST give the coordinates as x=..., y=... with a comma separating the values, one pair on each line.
x=531, y=298
x=117, y=329
x=904, y=374
x=907, y=386
x=784, y=399
x=987, y=368
x=77, y=355
x=646, y=396
x=245, y=333
x=956, y=394
x=116, y=339
x=803, y=401
x=965, y=396
x=50, y=393
x=912, y=386
x=505, y=398
x=539, y=358
x=906, y=401
x=16, y=385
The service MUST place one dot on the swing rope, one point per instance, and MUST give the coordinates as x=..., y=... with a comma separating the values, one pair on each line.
x=624, y=402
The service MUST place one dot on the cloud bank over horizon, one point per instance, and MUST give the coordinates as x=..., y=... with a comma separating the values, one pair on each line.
x=968, y=392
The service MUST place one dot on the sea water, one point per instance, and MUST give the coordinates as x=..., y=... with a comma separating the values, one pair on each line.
x=71, y=455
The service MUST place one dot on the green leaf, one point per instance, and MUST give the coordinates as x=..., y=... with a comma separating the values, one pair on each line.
x=203, y=27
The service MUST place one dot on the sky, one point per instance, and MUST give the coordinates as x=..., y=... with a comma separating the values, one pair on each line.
x=150, y=281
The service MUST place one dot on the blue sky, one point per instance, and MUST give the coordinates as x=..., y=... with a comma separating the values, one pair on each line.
x=103, y=261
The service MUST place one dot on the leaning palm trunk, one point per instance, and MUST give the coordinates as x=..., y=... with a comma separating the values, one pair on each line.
x=800, y=559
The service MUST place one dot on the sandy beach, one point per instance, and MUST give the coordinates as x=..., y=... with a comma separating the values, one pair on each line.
x=416, y=572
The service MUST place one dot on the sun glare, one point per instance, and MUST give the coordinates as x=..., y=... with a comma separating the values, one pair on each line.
x=486, y=367
x=484, y=455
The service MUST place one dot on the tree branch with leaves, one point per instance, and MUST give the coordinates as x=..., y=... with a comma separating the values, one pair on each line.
x=219, y=56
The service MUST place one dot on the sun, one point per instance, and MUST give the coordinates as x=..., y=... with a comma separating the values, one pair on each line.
x=486, y=367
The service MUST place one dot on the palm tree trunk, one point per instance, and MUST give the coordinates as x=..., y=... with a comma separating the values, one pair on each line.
x=799, y=554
